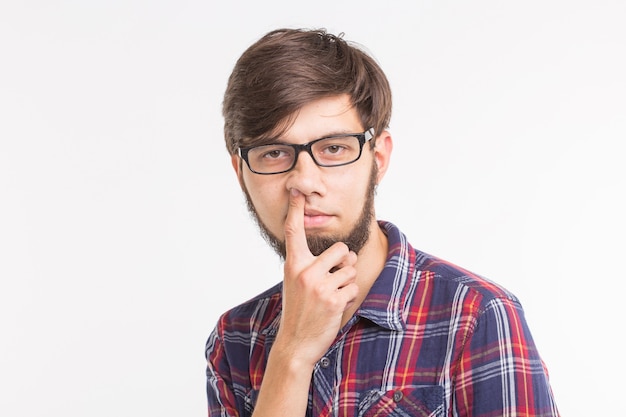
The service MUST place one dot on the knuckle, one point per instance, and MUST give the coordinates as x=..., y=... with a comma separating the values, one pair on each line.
x=307, y=280
x=290, y=230
x=351, y=271
x=340, y=249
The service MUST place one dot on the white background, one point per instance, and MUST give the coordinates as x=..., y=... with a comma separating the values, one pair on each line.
x=123, y=234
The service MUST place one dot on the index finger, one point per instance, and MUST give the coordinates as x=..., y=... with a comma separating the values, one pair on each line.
x=295, y=236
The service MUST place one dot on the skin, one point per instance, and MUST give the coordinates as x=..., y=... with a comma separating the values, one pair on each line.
x=320, y=293
x=319, y=242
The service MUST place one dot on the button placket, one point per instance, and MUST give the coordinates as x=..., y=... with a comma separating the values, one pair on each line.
x=323, y=376
x=324, y=362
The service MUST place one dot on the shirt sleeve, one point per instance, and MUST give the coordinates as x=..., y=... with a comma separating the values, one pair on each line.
x=220, y=395
x=500, y=371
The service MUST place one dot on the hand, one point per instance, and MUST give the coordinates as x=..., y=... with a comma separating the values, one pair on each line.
x=317, y=290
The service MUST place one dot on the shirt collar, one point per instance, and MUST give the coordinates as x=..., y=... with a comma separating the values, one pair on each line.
x=385, y=304
x=386, y=301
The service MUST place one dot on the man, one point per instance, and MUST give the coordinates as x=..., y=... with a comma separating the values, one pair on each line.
x=362, y=324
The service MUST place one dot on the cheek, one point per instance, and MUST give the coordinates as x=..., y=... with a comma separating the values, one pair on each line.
x=269, y=202
x=351, y=187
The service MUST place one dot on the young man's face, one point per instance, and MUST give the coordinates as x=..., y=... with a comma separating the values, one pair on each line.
x=339, y=200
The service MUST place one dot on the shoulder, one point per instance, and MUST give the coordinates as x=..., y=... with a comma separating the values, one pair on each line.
x=423, y=266
x=470, y=300
x=459, y=277
x=253, y=315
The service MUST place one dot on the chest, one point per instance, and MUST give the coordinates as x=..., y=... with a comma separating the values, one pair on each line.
x=372, y=371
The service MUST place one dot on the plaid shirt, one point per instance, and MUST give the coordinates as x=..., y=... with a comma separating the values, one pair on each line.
x=430, y=339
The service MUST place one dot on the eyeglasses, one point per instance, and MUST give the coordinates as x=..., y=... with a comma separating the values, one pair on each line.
x=329, y=151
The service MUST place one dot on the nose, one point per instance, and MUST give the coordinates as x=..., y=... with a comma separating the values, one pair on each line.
x=306, y=176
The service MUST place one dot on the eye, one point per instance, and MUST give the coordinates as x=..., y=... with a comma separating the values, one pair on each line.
x=334, y=149
x=270, y=157
x=274, y=154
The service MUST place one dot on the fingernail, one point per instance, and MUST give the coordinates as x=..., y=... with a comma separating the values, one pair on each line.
x=294, y=192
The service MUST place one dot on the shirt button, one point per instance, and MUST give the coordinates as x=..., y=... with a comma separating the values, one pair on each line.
x=397, y=396
x=324, y=362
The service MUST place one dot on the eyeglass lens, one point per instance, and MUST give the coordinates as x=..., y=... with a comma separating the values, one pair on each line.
x=325, y=152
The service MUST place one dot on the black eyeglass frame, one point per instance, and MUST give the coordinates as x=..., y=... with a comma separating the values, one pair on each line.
x=362, y=137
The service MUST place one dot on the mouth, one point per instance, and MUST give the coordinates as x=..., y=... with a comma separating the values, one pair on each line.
x=312, y=212
x=316, y=219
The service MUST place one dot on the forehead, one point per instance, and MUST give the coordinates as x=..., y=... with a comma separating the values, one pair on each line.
x=323, y=117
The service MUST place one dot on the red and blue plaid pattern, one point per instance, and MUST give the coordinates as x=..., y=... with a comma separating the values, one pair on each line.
x=430, y=339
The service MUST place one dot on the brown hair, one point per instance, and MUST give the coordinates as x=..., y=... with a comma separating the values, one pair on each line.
x=288, y=68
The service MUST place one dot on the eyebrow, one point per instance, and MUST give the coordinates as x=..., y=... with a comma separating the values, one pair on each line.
x=280, y=141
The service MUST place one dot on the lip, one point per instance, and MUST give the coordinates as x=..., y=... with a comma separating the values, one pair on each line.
x=313, y=212
x=315, y=218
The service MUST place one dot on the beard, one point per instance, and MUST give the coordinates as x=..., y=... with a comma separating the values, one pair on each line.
x=355, y=239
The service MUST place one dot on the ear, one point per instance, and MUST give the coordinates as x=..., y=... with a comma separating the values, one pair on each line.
x=382, y=153
x=235, y=161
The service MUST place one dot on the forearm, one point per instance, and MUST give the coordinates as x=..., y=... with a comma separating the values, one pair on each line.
x=285, y=387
